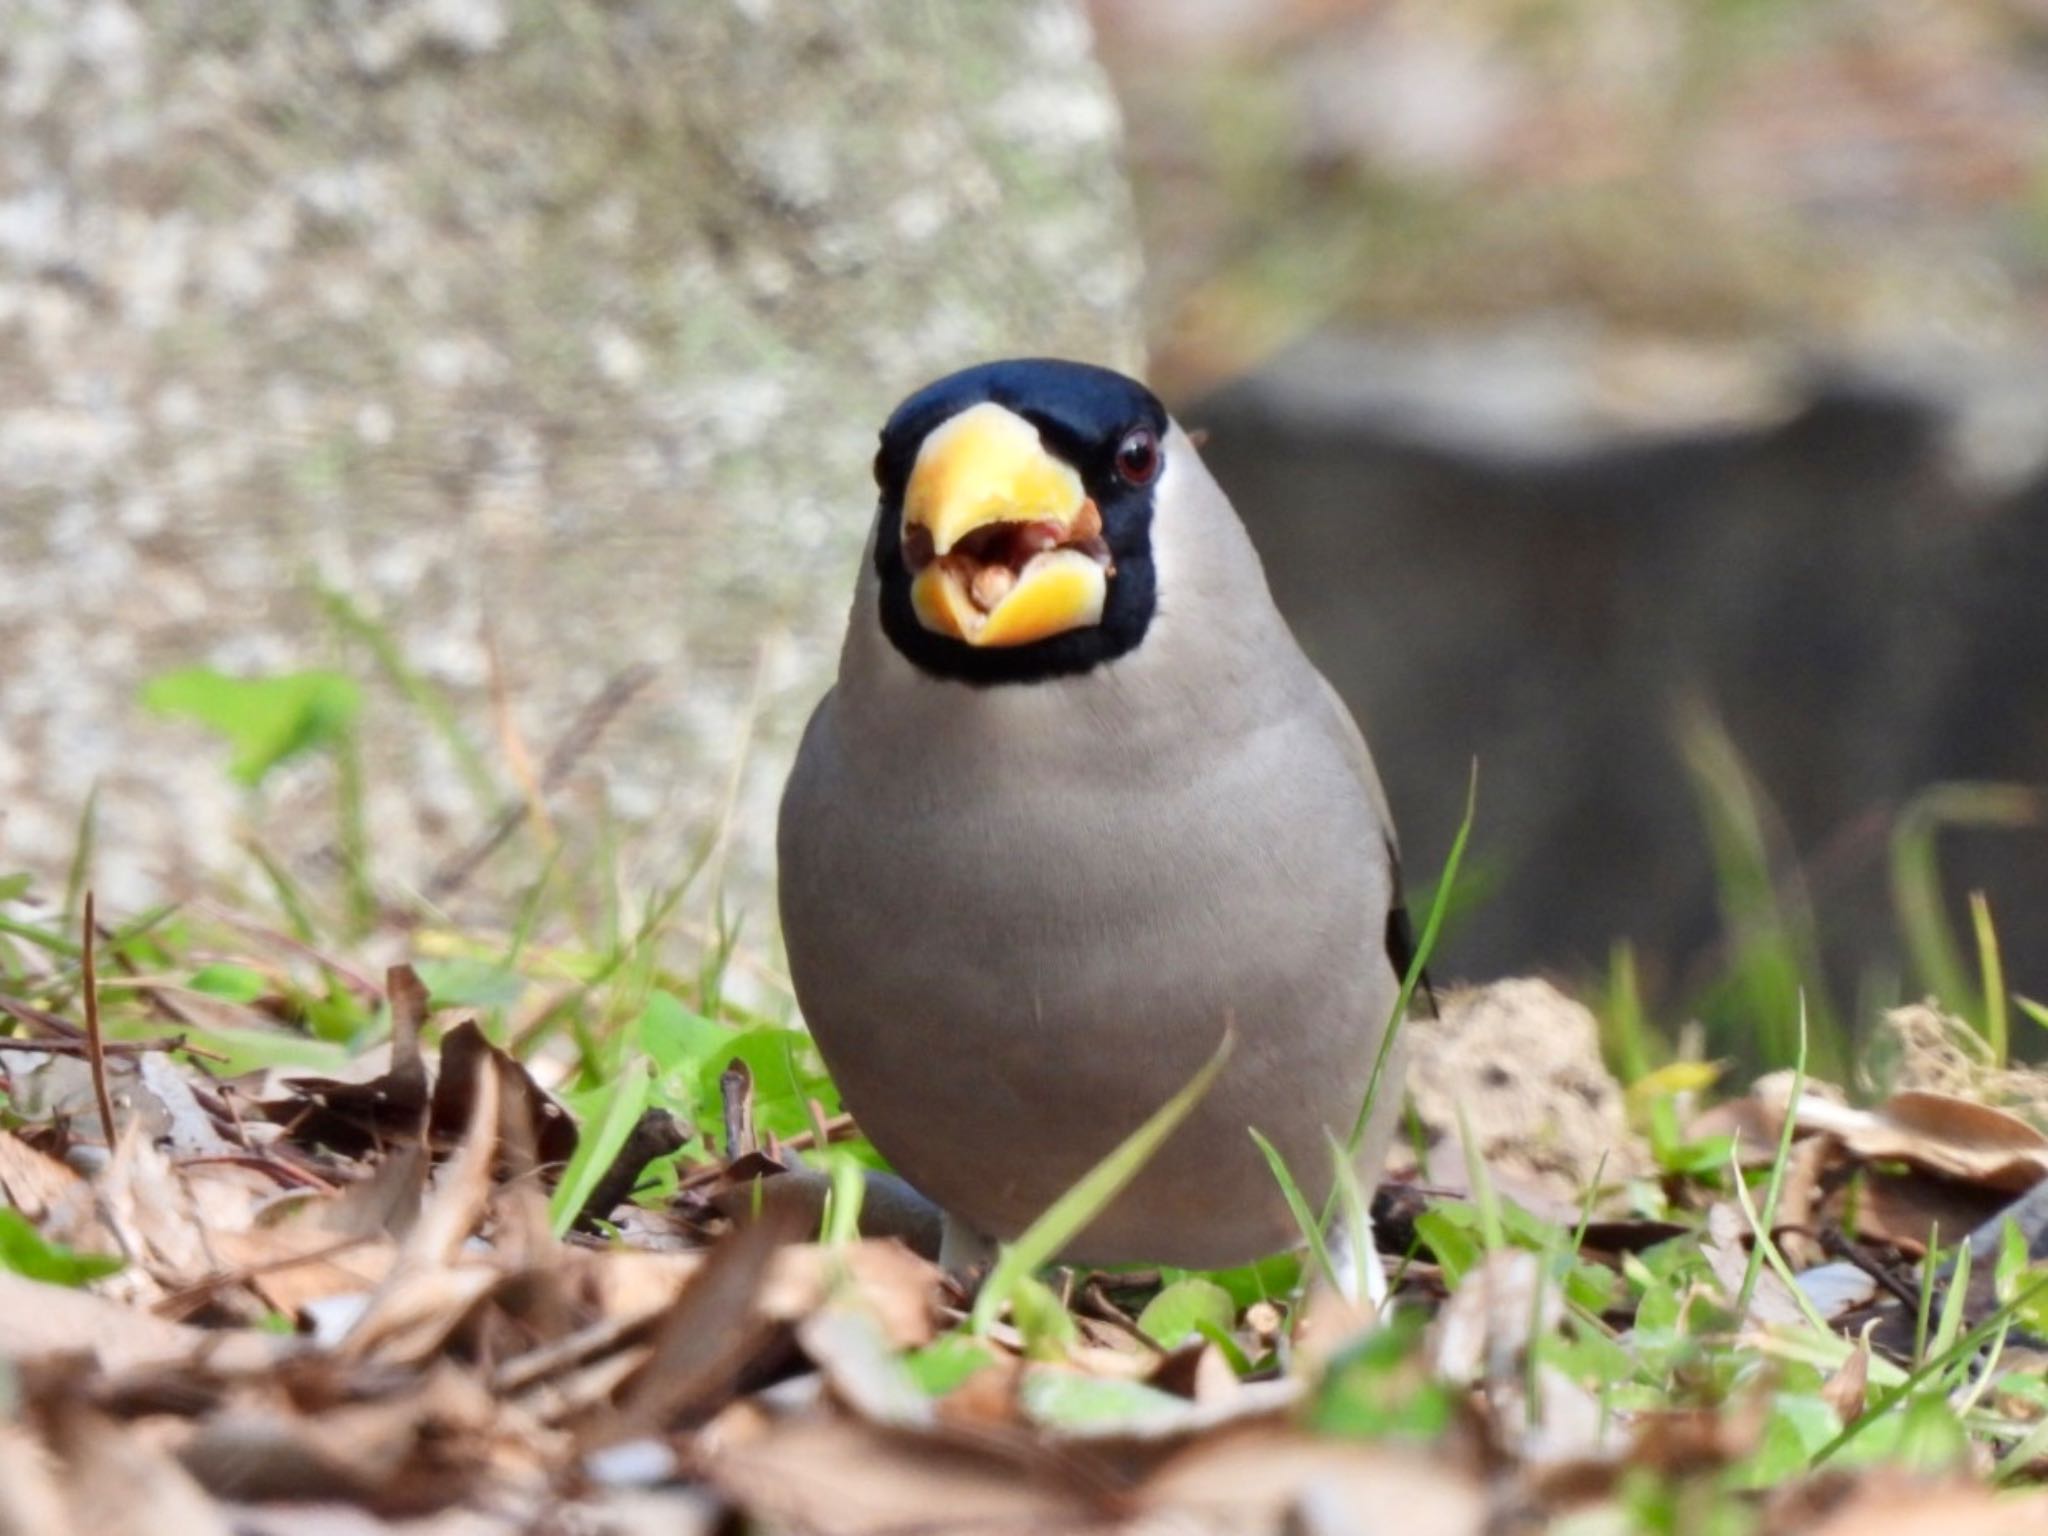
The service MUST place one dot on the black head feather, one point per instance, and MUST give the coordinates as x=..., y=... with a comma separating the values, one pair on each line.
x=1082, y=414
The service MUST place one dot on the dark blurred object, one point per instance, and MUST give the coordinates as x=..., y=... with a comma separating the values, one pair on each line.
x=1545, y=598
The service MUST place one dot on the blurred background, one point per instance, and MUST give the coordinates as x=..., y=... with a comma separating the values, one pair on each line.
x=427, y=425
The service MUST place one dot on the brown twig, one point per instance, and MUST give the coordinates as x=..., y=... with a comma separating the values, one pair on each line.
x=838, y=1128
x=656, y=1134
x=736, y=1097
x=66, y=1046
x=277, y=1167
x=1840, y=1246
x=96, y=1048
x=1094, y=1302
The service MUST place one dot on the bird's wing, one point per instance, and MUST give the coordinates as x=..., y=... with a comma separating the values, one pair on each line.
x=1400, y=935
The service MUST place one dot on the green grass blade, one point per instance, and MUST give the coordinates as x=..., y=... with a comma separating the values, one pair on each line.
x=291, y=900
x=1916, y=877
x=1991, y=965
x=1355, y=1206
x=42, y=938
x=1773, y=951
x=1625, y=1036
x=1297, y=1204
x=1068, y=1216
x=354, y=836
x=1923, y=1316
x=1492, y=1232
x=1950, y=1324
x=1961, y=1349
x=840, y=1224
x=599, y=1147
x=1760, y=1236
x=1754, y=1271
x=1425, y=947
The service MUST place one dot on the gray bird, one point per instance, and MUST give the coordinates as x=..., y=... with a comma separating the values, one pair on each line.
x=1076, y=800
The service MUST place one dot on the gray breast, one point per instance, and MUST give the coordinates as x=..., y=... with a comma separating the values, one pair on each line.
x=1010, y=956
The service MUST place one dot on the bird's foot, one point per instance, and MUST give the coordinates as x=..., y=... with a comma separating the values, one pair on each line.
x=1361, y=1278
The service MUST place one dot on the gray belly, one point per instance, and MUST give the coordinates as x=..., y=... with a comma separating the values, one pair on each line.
x=1007, y=983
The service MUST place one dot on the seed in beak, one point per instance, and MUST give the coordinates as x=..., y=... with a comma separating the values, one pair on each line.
x=991, y=585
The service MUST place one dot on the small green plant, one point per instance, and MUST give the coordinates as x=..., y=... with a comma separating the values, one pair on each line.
x=28, y=1253
x=267, y=721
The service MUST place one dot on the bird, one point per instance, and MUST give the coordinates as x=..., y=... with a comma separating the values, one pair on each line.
x=1076, y=804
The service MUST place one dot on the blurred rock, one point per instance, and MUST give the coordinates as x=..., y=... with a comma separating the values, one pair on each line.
x=1518, y=1064
x=555, y=335
x=1494, y=554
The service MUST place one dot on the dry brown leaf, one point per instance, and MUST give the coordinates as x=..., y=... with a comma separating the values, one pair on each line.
x=1800, y=1197
x=1727, y=1253
x=838, y=1477
x=31, y=1501
x=303, y=1519
x=1251, y=1478
x=171, y=1114
x=412, y=1453
x=1682, y=1442
x=1198, y=1372
x=1907, y=1209
x=864, y=1372
x=423, y=1297
x=1487, y=1324
x=888, y=1279
x=1329, y=1324
x=628, y=1283
x=467, y=1056
x=38, y=1320
x=382, y=1096
x=567, y=1396
x=409, y=1318
x=1847, y=1388
x=386, y=1204
x=648, y=1512
x=1950, y=1137
x=117, y=1484
x=1891, y=1504
x=717, y=1329
x=40, y=1187
x=291, y=1268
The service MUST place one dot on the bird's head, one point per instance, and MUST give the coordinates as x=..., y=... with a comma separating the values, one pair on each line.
x=1014, y=540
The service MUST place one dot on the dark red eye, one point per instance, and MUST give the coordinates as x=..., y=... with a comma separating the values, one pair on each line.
x=1137, y=456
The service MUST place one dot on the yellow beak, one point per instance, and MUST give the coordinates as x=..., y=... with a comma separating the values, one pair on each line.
x=985, y=467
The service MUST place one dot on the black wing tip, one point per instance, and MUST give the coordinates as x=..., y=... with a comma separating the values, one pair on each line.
x=1401, y=951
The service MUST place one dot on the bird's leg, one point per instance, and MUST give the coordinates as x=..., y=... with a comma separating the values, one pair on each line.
x=1361, y=1278
x=964, y=1253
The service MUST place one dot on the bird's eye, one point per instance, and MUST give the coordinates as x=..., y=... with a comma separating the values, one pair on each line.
x=1137, y=456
